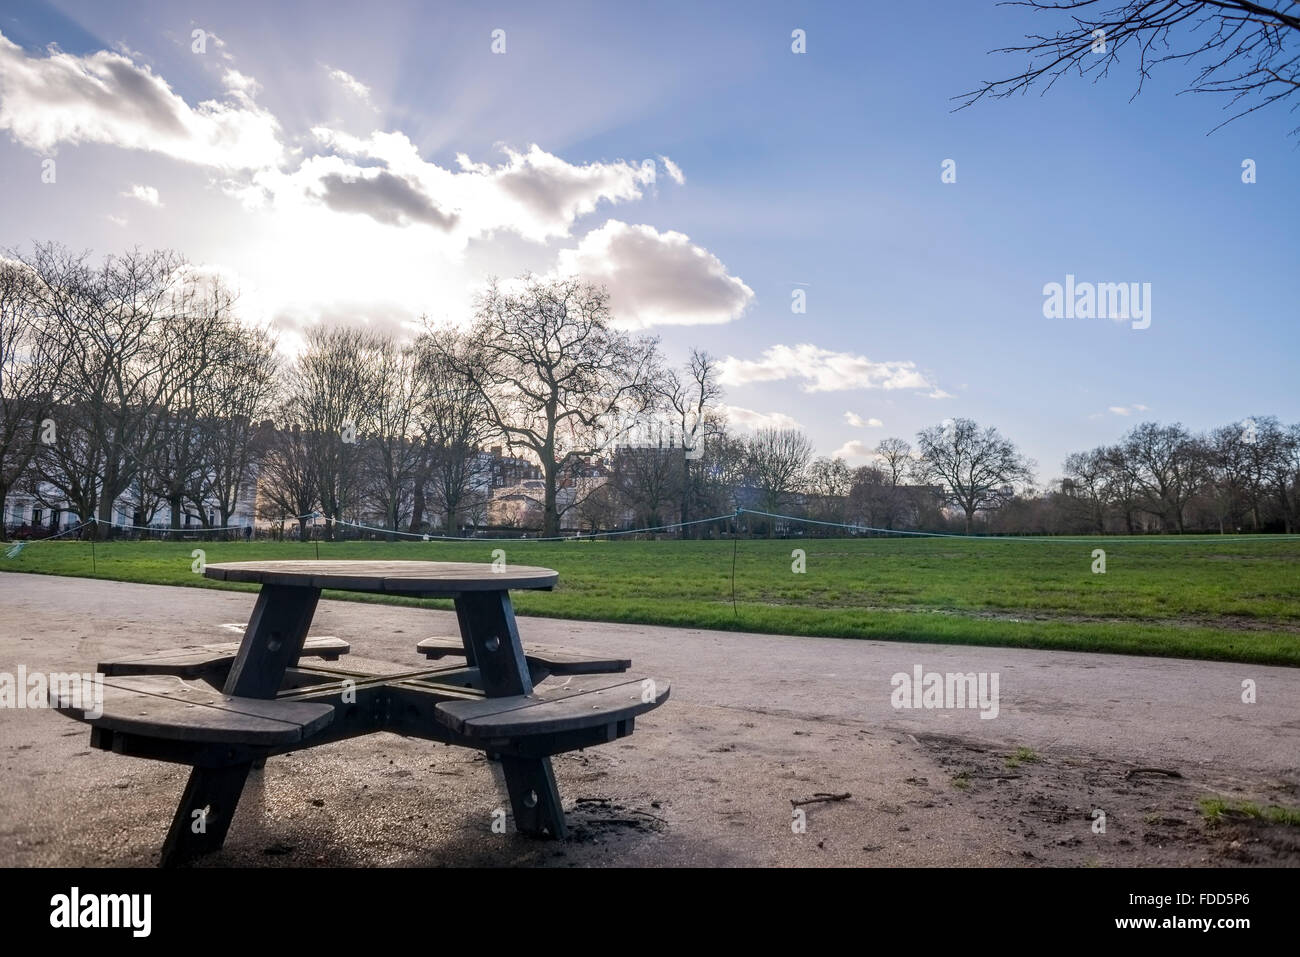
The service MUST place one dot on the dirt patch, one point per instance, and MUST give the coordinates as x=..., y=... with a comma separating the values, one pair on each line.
x=593, y=819
x=1087, y=810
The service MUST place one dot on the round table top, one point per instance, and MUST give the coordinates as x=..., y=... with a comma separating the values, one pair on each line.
x=426, y=579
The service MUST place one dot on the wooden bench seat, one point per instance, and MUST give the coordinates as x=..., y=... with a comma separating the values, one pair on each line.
x=163, y=707
x=576, y=705
x=542, y=663
x=205, y=660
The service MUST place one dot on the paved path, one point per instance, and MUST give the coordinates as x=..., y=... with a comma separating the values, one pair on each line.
x=754, y=722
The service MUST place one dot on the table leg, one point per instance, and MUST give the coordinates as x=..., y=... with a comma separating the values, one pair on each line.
x=487, y=627
x=272, y=642
x=207, y=807
x=534, y=797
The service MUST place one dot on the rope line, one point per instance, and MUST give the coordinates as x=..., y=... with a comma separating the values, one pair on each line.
x=854, y=528
x=579, y=537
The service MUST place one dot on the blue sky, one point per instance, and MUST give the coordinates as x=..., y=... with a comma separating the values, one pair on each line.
x=323, y=180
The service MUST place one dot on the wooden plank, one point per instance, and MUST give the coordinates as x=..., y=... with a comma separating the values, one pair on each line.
x=165, y=707
x=540, y=713
x=554, y=691
x=400, y=577
x=439, y=646
x=208, y=659
x=182, y=664
x=545, y=660
x=326, y=646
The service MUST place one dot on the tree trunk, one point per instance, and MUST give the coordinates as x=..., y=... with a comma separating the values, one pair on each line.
x=550, y=513
x=105, y=511
x=417, y=507
x=684, y=531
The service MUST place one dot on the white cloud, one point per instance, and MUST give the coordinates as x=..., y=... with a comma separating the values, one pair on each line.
x=1126, y=409
x=751, y=421
x=107, y=97
x=362, y=223
x=219, y=43
x=822, y=370
x=858, y=422
x=534, y=194
x=104, y=97
x=854, y=449
x=240, y=84
x=145, y=194
x=351, y=84
x=116, y=220
x=674, y=171
x=656, y=278
x=939, y=394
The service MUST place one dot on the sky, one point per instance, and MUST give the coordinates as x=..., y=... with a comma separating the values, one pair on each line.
x=786, y=212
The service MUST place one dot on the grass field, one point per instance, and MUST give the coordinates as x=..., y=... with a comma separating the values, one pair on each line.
x=1235, y=600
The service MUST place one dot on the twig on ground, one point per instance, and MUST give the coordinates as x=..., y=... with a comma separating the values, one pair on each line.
x=1165, y=771
x=819, y=797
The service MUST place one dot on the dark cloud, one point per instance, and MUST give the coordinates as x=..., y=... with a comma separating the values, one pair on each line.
x=658, y=278
x=553, y=193
x=135, y=92
x=385, y=198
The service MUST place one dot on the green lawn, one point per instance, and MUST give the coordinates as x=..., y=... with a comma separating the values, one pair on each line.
x=1234, y=600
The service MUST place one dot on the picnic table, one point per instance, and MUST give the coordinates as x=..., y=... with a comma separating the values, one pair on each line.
x=223, y=709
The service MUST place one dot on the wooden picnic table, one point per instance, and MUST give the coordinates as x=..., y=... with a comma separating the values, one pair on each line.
x=263, y=699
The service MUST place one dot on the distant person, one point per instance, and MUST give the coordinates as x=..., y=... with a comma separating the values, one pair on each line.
x=248, y=533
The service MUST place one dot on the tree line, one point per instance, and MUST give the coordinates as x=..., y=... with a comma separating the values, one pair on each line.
x=135, y=381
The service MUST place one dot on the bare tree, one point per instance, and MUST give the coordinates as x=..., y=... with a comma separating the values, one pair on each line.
x=897, y=463
x=172, y=464
x=1283, y=476
x=1168, y=466
x=554, y=374
x=1244, y=49
x=328, y=390
x=692, y=399
x=234, y=403
x=31, y=361
x=288, y=477
x=600, y=510
x=977, y=468
x=829, y=482
x=1264, y=444
x=455, y=422
x=1229, y=467
x=777, y=463
x=647, y=480
x=1086, y=483
x=393, y=450
x=895, y=457
x=721, y=472
x=129, y=327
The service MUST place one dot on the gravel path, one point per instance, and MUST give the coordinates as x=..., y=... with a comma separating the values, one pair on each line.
x=754, y=723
